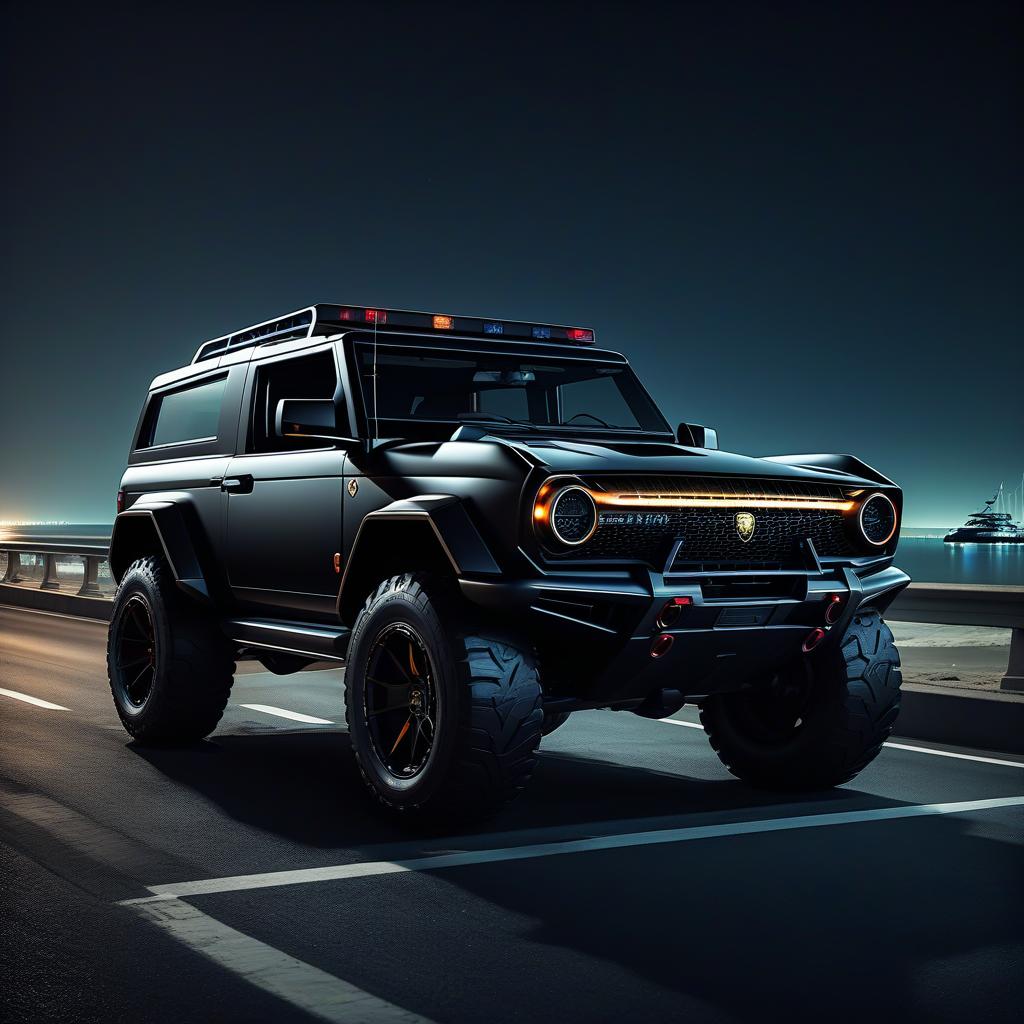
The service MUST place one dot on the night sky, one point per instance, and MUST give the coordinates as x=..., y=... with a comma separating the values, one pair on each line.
x=802, y=222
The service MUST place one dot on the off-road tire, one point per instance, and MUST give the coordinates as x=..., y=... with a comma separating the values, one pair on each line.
x=489, y=727
x=854, y=699
x=194, y=666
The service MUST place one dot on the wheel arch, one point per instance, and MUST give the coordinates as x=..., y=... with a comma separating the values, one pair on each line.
x=429, y=533
x=158, y=528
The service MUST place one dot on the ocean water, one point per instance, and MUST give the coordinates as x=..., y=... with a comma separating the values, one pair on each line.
x=930, y=560
x=927, y=559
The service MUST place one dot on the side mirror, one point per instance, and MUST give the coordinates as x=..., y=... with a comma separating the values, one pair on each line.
x=693, y=435
x=307, y=417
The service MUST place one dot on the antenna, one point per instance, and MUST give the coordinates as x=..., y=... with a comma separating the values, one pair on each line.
x=376, y=417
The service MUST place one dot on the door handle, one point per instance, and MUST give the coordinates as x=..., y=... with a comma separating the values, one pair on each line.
x=237, y=484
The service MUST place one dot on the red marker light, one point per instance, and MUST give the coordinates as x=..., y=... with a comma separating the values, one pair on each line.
x=662, y=645
x=376, y=316
x=812, y=640
x=579, y=334
x=669, y=615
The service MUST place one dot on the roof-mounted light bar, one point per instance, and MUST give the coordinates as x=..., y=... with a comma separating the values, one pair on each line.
x=327, y=318
x=397, y=319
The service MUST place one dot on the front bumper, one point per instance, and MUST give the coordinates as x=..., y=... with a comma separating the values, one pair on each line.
x=596, y=634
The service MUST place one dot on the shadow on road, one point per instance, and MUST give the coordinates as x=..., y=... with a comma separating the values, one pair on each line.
x=304, y=787
x=868, y=921
x=915, y=920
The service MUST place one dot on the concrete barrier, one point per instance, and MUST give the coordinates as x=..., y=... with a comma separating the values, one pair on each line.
x=983, y=719
x=953, y=604
x=54, y=601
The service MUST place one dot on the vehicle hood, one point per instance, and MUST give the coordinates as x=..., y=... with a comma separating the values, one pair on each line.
x=656, y=458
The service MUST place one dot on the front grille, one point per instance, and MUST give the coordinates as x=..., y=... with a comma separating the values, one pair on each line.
x=707, y=539
x=710, y=536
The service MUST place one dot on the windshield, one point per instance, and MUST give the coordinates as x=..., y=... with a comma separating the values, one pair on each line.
x=501, y=390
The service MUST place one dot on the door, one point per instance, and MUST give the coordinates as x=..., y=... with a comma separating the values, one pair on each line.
x=284, y=516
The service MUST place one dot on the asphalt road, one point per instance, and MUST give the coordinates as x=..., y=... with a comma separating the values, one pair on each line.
x=250, y=878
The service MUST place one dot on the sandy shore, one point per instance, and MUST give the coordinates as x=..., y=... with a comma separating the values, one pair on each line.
x=974, y=657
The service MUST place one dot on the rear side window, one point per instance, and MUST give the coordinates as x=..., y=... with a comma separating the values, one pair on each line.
x=189, y=415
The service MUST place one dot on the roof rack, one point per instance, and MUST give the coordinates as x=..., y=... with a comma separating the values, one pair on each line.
x=329, y=318
x=299, y=324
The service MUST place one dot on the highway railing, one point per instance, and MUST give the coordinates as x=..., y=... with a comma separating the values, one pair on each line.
x=40, y=561
x=34, y=563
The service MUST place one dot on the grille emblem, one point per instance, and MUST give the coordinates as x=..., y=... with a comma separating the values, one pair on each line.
x=745, y=524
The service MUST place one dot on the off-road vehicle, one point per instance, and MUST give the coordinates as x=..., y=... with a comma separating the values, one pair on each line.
x=493, y=526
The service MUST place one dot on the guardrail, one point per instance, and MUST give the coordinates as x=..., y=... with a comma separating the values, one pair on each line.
x=948, y=604
x=92, y=555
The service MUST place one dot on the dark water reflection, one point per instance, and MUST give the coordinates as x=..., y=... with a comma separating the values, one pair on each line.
x=929, y=560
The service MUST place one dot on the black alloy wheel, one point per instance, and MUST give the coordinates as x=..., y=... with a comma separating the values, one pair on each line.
x=773, y=714
x=444, y=716
x=400, y=701
x=135, y=652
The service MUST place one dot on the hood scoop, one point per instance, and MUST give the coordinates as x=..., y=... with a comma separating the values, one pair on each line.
x=600, y=449
x=469, y=432
x=654, y=451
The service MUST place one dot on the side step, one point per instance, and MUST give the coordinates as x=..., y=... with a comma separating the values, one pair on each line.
x=311, y=639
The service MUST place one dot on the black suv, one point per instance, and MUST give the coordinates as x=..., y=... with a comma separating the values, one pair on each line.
x=493, y=525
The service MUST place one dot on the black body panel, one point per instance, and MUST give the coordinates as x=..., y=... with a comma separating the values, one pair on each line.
x=287, y=543
x=283, y=527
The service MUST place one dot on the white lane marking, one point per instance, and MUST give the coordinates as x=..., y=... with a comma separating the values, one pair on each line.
x=294, y=716
x=295, y=981
x=952, y=753
x=465, y=858
x=39, y=703
x=895, y=746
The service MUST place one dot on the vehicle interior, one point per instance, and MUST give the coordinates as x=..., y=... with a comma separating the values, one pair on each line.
x=409, y=388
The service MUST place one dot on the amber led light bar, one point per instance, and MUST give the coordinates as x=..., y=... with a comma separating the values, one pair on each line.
x=717, y=501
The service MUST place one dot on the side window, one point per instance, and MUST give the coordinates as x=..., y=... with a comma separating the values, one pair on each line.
x=188, y=415
x=314, y=376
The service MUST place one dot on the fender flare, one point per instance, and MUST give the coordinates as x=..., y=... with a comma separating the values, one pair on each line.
x=167, y=521
x=458, y=543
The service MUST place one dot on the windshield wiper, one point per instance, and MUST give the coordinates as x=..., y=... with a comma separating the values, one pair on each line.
x=493, y=417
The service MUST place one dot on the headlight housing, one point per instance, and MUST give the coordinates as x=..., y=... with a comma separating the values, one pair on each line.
x=565, y=513
x=877, y=519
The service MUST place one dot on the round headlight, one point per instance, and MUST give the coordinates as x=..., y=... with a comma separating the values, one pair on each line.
x=877, y=520
x=572, y=516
